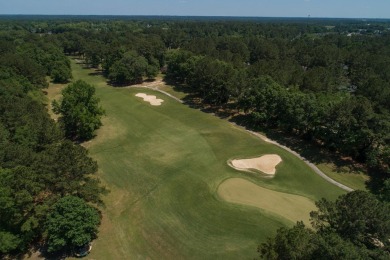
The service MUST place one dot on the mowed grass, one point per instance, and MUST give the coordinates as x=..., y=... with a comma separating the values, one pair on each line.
x=163, y=166
x=169, y=89
x=244, y=192
x=53, y=93
x=356, y=179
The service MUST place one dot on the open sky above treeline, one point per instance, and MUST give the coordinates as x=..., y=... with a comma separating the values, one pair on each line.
x=258, y=8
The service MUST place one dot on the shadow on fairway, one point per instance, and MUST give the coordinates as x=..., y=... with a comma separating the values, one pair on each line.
x=315, y=153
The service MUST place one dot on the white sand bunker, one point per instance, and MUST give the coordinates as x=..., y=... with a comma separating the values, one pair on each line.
x=150, y=98
x=266, y=163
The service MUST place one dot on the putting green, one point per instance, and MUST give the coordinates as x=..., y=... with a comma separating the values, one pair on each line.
x=163, y=166
x=289, y=206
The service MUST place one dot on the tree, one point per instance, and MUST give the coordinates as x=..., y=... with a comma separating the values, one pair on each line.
x=80, y=110
x=68, y=170
x=8, y=242
x=130, y=69
x=356, y=226
x=287, y=246
x=211, y=79
x=37, y=165
x=20, y=213
x=357, y=216
x=61, y=72
x=71, y=224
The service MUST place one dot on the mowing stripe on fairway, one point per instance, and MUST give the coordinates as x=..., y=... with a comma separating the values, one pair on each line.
x=163, y=166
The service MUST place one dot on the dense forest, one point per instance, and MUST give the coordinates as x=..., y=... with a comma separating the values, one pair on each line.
x=40, y=169
x=324, y=81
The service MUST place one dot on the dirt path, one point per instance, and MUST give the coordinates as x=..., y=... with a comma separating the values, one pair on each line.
x=154, y=86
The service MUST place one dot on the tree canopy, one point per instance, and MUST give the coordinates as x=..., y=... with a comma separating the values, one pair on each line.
x=329, y=85
x=72, y=223
x=80, y=110
x=355, y=226
x=38, y=165
x=131, y=69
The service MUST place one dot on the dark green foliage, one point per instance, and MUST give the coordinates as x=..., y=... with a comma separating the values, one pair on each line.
x=131, y=69
x=25, y=67
x=356, y=226
x=357, y=216
x=211, y=79
x=50, y=58
x=75, y=166
x=21, y=216
x=61, y=72
x=93, y=53
x=71, y=223
x=384, y=193
x=26, y=122
x=37, y=164
x=8, y=242
x=80, y=110
x=330, y=89
x=286, y=244
x=178, y=66
x=302, y=78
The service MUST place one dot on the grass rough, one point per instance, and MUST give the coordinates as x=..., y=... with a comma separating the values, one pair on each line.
x=163, y=166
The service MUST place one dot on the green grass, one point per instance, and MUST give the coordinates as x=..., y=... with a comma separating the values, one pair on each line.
x=353, y=179
x=163, y=166
x=244, y=192
x=53, y=92
x=342, y=169
x=176, y=93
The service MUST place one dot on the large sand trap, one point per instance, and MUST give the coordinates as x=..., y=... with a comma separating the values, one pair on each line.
x=266, y=163
x=150, y=98
x=289, y=206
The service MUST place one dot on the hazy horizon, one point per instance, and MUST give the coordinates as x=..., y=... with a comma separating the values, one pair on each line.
x=359, y=9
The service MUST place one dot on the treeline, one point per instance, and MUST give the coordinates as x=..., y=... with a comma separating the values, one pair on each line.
x=348, y=122
x=33, y=57
x=355, y=226
x=332, y=89
x=42, y=174
x=311, y=79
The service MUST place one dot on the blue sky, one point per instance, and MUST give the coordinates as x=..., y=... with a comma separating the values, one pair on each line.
x=262, y=8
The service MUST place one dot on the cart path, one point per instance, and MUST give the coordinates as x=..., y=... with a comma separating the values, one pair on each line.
x=310, y=164
x=153, y=86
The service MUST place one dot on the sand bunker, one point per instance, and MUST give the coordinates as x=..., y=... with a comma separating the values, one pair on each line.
x=289, y=206
x=266, y=163
x=150, y=98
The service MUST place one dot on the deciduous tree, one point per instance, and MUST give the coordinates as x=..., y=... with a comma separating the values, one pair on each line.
x=72, y=223
x=80, y=110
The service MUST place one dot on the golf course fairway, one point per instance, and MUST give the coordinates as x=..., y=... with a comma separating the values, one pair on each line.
x=164, y=165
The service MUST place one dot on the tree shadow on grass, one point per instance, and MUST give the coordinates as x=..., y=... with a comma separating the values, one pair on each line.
x=195, y=101
x=116, y=84
x=96, y=73
x=40, y=252
x=179, y=87
x=310, y=150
